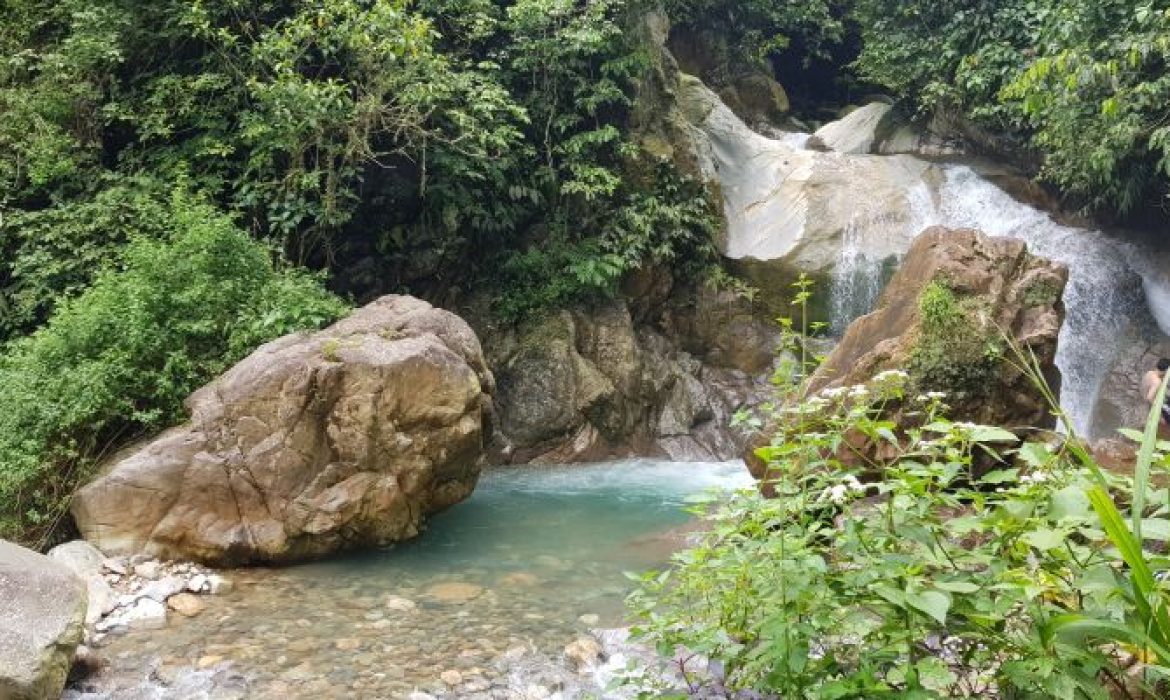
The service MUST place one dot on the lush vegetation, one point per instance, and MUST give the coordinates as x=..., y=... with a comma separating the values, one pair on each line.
x=973, y=566
x=1047, y=73
x=117, y=360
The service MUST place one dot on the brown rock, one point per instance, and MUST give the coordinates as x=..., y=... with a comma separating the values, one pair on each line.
x=998, y=289
x=186, y=604
x=315, y=443
x=454, y=592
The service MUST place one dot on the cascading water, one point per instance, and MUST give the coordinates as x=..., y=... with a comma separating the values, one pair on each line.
x=853, y=215
x=859, y=275
x=1104, y=299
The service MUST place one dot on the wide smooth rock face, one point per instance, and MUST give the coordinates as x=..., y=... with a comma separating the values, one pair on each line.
x=42, y=610
x=856, y=132
x=798, y=209
x=315, y=443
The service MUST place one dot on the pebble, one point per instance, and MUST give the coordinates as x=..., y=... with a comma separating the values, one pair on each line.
x=400, y=604
x=148, y=569
x=582, y=653
x=208, y=661
x=454, y=592
x=589, y=620
x=186, y=604
x=451, y=677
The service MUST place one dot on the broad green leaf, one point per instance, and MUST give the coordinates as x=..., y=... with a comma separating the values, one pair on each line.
x=936, y=604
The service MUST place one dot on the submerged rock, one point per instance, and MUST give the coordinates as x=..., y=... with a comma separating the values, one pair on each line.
x=315, y=443
x=42, y=613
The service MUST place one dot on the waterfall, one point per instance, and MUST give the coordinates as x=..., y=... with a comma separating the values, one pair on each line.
x=1104, y=300
x=853, y=216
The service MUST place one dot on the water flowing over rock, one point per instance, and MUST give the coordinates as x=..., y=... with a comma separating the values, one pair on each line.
x=42, y=611
x=1003, y=296
x=315, y=443
x=847, y=219
x=1004, y=289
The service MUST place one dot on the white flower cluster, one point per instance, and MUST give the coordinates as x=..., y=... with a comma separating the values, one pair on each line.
x=891, y=375
x=838, y=493
x=930, y=396
x=1037, y=477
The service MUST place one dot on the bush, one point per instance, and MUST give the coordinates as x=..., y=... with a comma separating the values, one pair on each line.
x=117, y=361
x=932, y=582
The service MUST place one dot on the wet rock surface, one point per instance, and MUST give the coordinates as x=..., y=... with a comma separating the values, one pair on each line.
x=315, y=443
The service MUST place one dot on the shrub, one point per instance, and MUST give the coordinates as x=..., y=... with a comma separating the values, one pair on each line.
x=117, y=361
x=932, y=582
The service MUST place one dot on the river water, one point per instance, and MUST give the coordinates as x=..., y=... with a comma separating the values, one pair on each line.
x=494, y=590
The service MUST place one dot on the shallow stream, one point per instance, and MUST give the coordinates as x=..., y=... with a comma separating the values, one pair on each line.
x=494, y=590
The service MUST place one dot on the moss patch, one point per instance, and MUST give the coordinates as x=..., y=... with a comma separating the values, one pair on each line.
x=957, y=350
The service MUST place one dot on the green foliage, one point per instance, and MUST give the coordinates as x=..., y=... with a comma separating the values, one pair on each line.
x=671, y=224
x=934, y=581
x=117, y=361
x=49, y=255
x=763, y=26
x=1046, y=72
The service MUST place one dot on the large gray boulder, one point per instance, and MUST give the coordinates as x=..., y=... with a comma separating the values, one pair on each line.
x=42, y=611
x=315, y=443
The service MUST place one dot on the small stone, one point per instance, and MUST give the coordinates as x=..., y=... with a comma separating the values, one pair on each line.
x=186, y=604
x=451, y=678
x=583, y=653
x=418, y=695
x=301, y=646
x=219, y=585
x=146, y=614
x=198, y=584
x=589, y=620
x=347, y=644
x=519, y=578
x=454, y=592
x=163, y=588
x=150, y=570
x=115, y=565
x=400, y=604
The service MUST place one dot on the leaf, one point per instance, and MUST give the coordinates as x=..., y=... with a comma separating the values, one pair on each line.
x=1070, y=502
x=957, y=586
x=936, y=604
x=1035, y=454
x=1045, y=539
x=988, y=433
